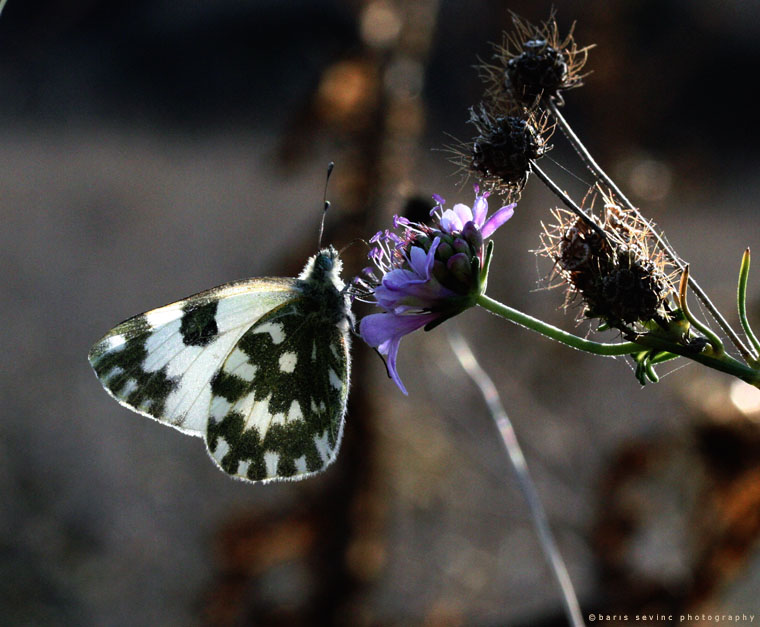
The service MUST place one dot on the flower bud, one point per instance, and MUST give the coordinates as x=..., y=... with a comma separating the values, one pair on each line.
x=461, y=247
x=440, y=271
x=472, y=234
x=424, y=242
x=444, y=251
x=460, y=269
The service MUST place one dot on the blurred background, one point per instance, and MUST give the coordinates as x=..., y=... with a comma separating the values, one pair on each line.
x=152, y=149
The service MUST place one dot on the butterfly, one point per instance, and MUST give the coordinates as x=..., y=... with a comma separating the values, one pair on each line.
x=258, y=368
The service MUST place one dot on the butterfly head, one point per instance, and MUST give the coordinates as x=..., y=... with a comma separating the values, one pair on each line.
x=326, y=260
x=323, y=269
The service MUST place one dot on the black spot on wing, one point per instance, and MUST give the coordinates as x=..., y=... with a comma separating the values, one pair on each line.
x=229, y=387
x=289, y=441
x=245, y=445
x=153, y=388
x=286, y=467
x=198, y=326
x=119, y=368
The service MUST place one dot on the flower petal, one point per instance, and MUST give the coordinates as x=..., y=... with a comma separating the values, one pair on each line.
x=419, y=296
x=401, y=290
x=384, y=331
x=431, y=256
x=390, y=348
x=480, y=209
x=418, y=259
x=464, y=213
x=497, y=219
x=450, y=221
x=397, y=279
x=378, y=328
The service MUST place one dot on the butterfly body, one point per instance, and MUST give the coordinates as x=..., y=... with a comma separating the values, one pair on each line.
x=258, y=368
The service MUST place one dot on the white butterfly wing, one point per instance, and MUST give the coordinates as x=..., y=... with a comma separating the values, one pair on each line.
x=160, y=363
x=259, y=368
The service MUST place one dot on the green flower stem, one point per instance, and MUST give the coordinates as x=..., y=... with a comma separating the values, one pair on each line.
x=721, y=362
x=742, y=300
x=649, y=341
x=555, y=333
x=661, y=358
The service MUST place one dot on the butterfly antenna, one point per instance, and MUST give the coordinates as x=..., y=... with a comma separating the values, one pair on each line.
x=326, y=203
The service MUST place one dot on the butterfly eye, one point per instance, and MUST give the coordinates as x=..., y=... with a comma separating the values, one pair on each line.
x=323, y=262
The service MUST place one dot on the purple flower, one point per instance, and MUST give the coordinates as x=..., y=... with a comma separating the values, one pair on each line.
x=426, y=274
x=456, y=219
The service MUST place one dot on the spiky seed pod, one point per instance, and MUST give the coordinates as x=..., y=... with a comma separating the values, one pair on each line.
x=539, y=69
x=503, y=149
x=620, y=279
x=532, y=63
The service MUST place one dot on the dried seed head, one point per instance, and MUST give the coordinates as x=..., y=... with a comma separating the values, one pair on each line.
x=620, y=279
x=501, y=153
x=504, y=148
x=532, y=63
x=539, y=69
